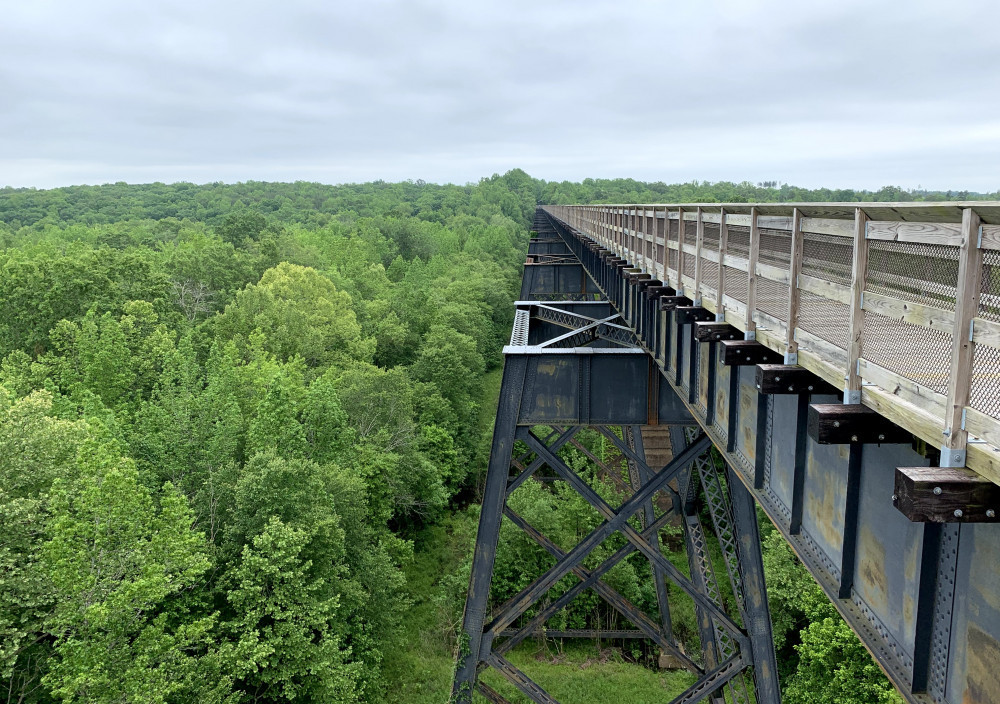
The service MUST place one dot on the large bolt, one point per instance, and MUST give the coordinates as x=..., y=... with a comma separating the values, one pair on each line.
x=854, y=438
x=836, y=424
x=958, y=513
x=895, y=498
x=990, y=513
x=881, y=436
x=937, y=491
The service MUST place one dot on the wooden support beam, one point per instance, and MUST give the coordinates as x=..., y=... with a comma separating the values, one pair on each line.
x=750, y=323
x=720, y=305
x=789, y=379
x=690, y=314
x=945, y=495
x=970, y=273
x=856, y=319
x=794, y=269
x=715, y=331
x=671, y=302
x=840, y=424
x=699, y=243
x=680, y=250
x=741, y=353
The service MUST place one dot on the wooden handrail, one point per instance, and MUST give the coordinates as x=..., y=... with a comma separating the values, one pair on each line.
x=961, y=229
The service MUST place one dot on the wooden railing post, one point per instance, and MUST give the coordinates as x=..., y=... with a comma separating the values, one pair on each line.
x=720, y=309
x=794, y=269
x=665, y=254
x=698, y=242
x=680, y=252
x=856, y=321
x=751, y=333
x=970, y=271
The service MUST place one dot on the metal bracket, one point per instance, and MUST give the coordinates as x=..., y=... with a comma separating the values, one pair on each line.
x=952, y=457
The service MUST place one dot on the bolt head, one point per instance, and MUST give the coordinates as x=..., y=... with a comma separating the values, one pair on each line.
x=810, y=388
x=895, y=498
x=777, y=378
x=836, y=424
x=937, y=491
x=958, y=513
x=990, y=513
x=881, y=436
x=854, y=438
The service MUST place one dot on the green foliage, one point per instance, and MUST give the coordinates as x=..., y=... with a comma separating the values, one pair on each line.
x=821, y=658
x=220, y=410
x=298, y=312
x=119, y=566
x=226, y=409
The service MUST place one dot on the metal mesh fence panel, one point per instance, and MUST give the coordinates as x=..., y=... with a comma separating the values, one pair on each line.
x=710, y=269
x=689, y=263
x=922, y=273
x=989, y=299
x=775, y=247
x=690, y=231
x=672, y=259
x=985, y=393
x=736, y=283
x=710, y=274
x=824, y=318
x=772, y=298
x=828, y=257
x=738, y=242
x=912, y=351
x=712, y=234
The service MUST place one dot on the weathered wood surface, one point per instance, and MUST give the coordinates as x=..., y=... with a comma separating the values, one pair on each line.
x=945, y=495
x=882, y=362
x=844, y=423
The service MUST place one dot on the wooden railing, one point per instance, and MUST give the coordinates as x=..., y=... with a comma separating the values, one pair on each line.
x=898, y=304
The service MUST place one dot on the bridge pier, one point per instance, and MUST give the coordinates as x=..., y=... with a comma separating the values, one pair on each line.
x=920, y=584
x=576, y=366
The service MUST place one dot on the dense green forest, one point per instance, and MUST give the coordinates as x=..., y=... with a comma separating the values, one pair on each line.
x=243, y=431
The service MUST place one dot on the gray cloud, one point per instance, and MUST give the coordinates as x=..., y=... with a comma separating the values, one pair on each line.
x=841, y=94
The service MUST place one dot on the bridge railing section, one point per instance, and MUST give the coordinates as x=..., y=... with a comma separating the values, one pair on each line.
x=898, y=304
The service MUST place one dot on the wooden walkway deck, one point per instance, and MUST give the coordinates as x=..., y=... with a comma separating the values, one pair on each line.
x=898, y=304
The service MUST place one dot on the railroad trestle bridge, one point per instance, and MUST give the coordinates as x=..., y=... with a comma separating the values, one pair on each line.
x=843, y=359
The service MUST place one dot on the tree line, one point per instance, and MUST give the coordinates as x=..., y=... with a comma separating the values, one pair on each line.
x=226, y=411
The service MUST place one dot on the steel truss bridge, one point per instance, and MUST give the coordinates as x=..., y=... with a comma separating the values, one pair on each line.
x=844, y=361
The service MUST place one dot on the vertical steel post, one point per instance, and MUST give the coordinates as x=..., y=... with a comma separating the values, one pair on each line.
x=494, y=497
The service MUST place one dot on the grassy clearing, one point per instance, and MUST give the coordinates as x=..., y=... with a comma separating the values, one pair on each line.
x=579, y=673
x=585, y=675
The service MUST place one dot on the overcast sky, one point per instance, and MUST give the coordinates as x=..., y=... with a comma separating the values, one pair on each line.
x=841, y=94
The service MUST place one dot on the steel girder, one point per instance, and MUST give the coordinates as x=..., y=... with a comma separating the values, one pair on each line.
x=923, y=597
x=598, y=388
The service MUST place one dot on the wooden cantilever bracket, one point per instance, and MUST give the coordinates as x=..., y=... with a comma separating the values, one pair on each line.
x=843, y=423
x=789, y=379
x=945, y=495
x=741, y=353
x=657, y=290
x=714, y=331
x=671, y=302
x=691, y=314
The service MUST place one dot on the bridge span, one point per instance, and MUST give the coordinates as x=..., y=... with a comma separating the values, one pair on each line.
x=844, y=360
